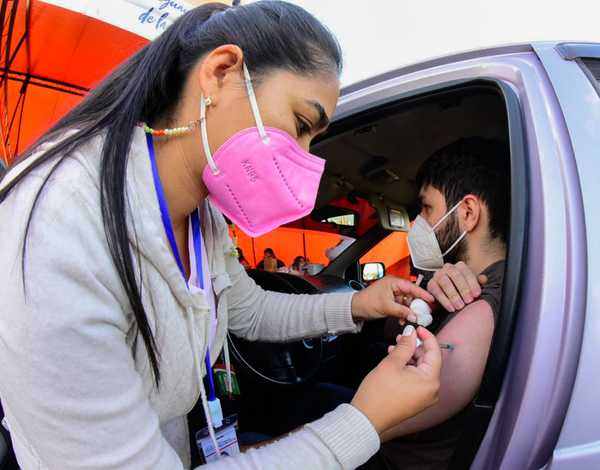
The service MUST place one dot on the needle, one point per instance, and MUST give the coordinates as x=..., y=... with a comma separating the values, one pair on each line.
x=449, y=347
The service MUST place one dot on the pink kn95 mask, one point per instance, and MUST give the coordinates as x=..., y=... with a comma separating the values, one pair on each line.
x=260, y=178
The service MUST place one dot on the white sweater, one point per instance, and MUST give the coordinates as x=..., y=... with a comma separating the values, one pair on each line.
x=74, y=395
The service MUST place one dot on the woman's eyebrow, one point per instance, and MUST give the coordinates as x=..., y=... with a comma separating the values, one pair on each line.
x=323, y=118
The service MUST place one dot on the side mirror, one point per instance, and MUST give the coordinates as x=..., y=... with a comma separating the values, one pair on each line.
x=373, y=271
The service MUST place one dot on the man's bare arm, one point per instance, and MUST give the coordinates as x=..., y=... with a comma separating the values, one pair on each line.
x=462, y=369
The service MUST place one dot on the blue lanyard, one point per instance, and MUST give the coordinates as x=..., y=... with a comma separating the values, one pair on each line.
x=197, y=238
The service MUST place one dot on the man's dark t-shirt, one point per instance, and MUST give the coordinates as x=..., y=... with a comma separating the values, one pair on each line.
x=432, y=449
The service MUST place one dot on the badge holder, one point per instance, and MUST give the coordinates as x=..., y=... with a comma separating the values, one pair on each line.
x=226, y=439
x=225, y=431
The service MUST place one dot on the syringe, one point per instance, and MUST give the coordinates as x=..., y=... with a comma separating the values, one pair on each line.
x=424, y=317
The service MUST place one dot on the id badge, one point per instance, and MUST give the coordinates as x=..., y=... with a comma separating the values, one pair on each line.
x=226, y=438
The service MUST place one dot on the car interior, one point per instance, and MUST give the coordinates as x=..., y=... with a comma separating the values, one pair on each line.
x=372, y=158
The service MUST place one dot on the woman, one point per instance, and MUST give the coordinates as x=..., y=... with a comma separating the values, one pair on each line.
x=298, y=267
x=120, y=281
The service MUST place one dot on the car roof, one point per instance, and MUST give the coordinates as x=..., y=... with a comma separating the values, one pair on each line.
x=460, y=56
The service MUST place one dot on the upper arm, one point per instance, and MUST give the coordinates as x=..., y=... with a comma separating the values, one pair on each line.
x=471, y=333
x=71, y=392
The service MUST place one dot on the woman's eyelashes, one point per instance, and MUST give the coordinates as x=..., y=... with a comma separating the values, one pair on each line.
x=302, y=127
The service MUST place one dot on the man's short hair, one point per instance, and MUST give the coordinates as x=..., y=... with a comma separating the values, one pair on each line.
x=473, y=165
x=269, y=251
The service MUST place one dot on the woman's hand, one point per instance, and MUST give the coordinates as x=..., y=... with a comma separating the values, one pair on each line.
x=455, y=286
x=395, y=391
x=381, y=299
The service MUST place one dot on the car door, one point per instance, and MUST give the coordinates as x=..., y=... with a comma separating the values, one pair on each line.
x=574, y=71
x=515, y=419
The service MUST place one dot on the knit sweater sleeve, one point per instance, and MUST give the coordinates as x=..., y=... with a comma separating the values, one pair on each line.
x=342, y=439
x=72, y=395
x=256, y=314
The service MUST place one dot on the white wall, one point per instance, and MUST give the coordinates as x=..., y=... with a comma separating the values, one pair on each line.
x=382, y=35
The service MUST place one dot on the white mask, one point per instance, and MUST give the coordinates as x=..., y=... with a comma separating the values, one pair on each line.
x=423, y=245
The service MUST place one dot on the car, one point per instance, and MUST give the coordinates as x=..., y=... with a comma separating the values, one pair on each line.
x=536, y=407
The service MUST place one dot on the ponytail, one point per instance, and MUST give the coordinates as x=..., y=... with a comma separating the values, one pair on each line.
x=147, y=87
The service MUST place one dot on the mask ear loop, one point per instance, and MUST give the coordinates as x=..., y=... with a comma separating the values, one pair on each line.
x=455, y=243
x=257, y=118
x=204, y=133
x=444, y=218
x=447, y=215
x=254, y=105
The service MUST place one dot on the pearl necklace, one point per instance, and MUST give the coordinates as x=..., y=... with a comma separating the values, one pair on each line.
x=175, y=131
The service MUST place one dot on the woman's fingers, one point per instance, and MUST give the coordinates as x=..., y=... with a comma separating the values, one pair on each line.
x=395, y=309
x=405, y=346
x=406, y=338
x=430, y=360
x=399, y=387
x=380, y=299
x=412, y=290
x=402, y=287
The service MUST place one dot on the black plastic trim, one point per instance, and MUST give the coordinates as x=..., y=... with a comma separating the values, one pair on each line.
x=588, y=73
x=578, y=50
x=339, y=266
x=483, y=406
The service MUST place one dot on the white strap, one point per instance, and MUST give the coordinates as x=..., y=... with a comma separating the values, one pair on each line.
x=444, y=218
x=447, y=214
x=197, y=361
x=228, y=367
x=204, y=133
x=255, y=111
x=454, y=244
x=254, y=105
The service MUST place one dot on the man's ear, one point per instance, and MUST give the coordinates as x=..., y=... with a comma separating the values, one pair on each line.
x=471, y=212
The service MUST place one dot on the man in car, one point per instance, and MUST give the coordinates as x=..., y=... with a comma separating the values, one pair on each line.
x=464, y=194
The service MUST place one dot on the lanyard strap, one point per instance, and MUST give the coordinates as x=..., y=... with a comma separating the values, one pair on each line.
x=197, y=239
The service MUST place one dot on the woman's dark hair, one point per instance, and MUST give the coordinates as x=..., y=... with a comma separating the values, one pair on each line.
x=147, y=87
x=241, y=256
x=297, y=261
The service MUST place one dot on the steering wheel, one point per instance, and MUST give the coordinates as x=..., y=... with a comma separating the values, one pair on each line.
x=287, y=364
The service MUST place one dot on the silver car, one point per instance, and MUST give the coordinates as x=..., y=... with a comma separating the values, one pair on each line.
x=538, y=402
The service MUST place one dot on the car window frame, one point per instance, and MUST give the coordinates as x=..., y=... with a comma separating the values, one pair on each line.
x=346, y=265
